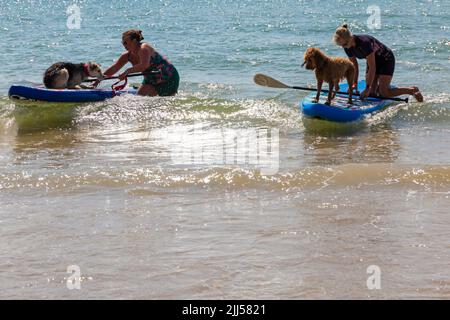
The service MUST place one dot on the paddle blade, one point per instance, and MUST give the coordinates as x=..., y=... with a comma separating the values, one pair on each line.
x=266, y=81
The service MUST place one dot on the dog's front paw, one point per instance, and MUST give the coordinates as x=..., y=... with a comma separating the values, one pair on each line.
x=314, y=100
x=328, y=102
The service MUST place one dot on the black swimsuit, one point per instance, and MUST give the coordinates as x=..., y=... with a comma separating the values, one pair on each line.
x=384, y=57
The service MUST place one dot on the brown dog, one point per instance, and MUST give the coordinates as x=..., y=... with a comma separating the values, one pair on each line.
x=331, y=70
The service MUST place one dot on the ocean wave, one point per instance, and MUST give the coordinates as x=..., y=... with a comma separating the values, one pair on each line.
x=435, y=109
x=427, y=177
x=202, y=106
x=188, y=108
x=155, y=112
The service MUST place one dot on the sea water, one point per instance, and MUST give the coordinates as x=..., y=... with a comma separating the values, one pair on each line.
x=223, y=191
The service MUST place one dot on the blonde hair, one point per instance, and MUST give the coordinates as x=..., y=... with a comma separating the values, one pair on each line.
x=342, y=35
x=133, y=34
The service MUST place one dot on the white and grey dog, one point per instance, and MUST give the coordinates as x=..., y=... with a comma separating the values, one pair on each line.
x=62, y=75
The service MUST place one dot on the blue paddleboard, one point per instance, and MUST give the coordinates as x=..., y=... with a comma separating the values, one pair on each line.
x=64, y=95
x=340, y=110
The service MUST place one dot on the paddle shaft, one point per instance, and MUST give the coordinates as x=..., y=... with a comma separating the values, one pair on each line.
x=266, y=81
x=346, y=93
x=128, y=76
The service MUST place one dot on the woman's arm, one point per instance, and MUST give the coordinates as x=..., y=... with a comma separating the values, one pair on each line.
x=372, y=68
x=123, y=59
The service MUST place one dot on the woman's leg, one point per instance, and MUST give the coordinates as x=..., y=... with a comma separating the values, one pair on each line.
x=147, y=90
x=386, y=91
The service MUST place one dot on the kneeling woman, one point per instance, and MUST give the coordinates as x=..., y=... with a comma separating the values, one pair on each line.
x=162, y=79
x=380, y=64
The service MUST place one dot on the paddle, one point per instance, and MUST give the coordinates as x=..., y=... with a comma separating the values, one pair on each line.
x=266, y=81
x=128, y=76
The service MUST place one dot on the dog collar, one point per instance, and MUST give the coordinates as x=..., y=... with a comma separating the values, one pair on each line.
x=86, y=69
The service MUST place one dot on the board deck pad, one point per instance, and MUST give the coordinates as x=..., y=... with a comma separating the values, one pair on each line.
x=341, y=101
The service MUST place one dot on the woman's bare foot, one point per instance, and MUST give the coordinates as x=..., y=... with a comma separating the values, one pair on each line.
x=417, y=94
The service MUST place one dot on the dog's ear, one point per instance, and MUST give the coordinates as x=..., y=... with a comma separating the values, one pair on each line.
x=319, y=59
x=94, y=65
x=307, y=56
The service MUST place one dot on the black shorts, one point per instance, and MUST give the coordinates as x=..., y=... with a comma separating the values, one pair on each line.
x=385, y=65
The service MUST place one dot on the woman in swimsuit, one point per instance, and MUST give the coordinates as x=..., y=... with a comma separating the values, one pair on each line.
x=162, y=79
x=380, y=64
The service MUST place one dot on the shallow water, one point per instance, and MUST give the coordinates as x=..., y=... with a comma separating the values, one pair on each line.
x=224, y=191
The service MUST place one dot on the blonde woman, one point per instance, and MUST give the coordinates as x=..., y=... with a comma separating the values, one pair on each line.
x=380, y=64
